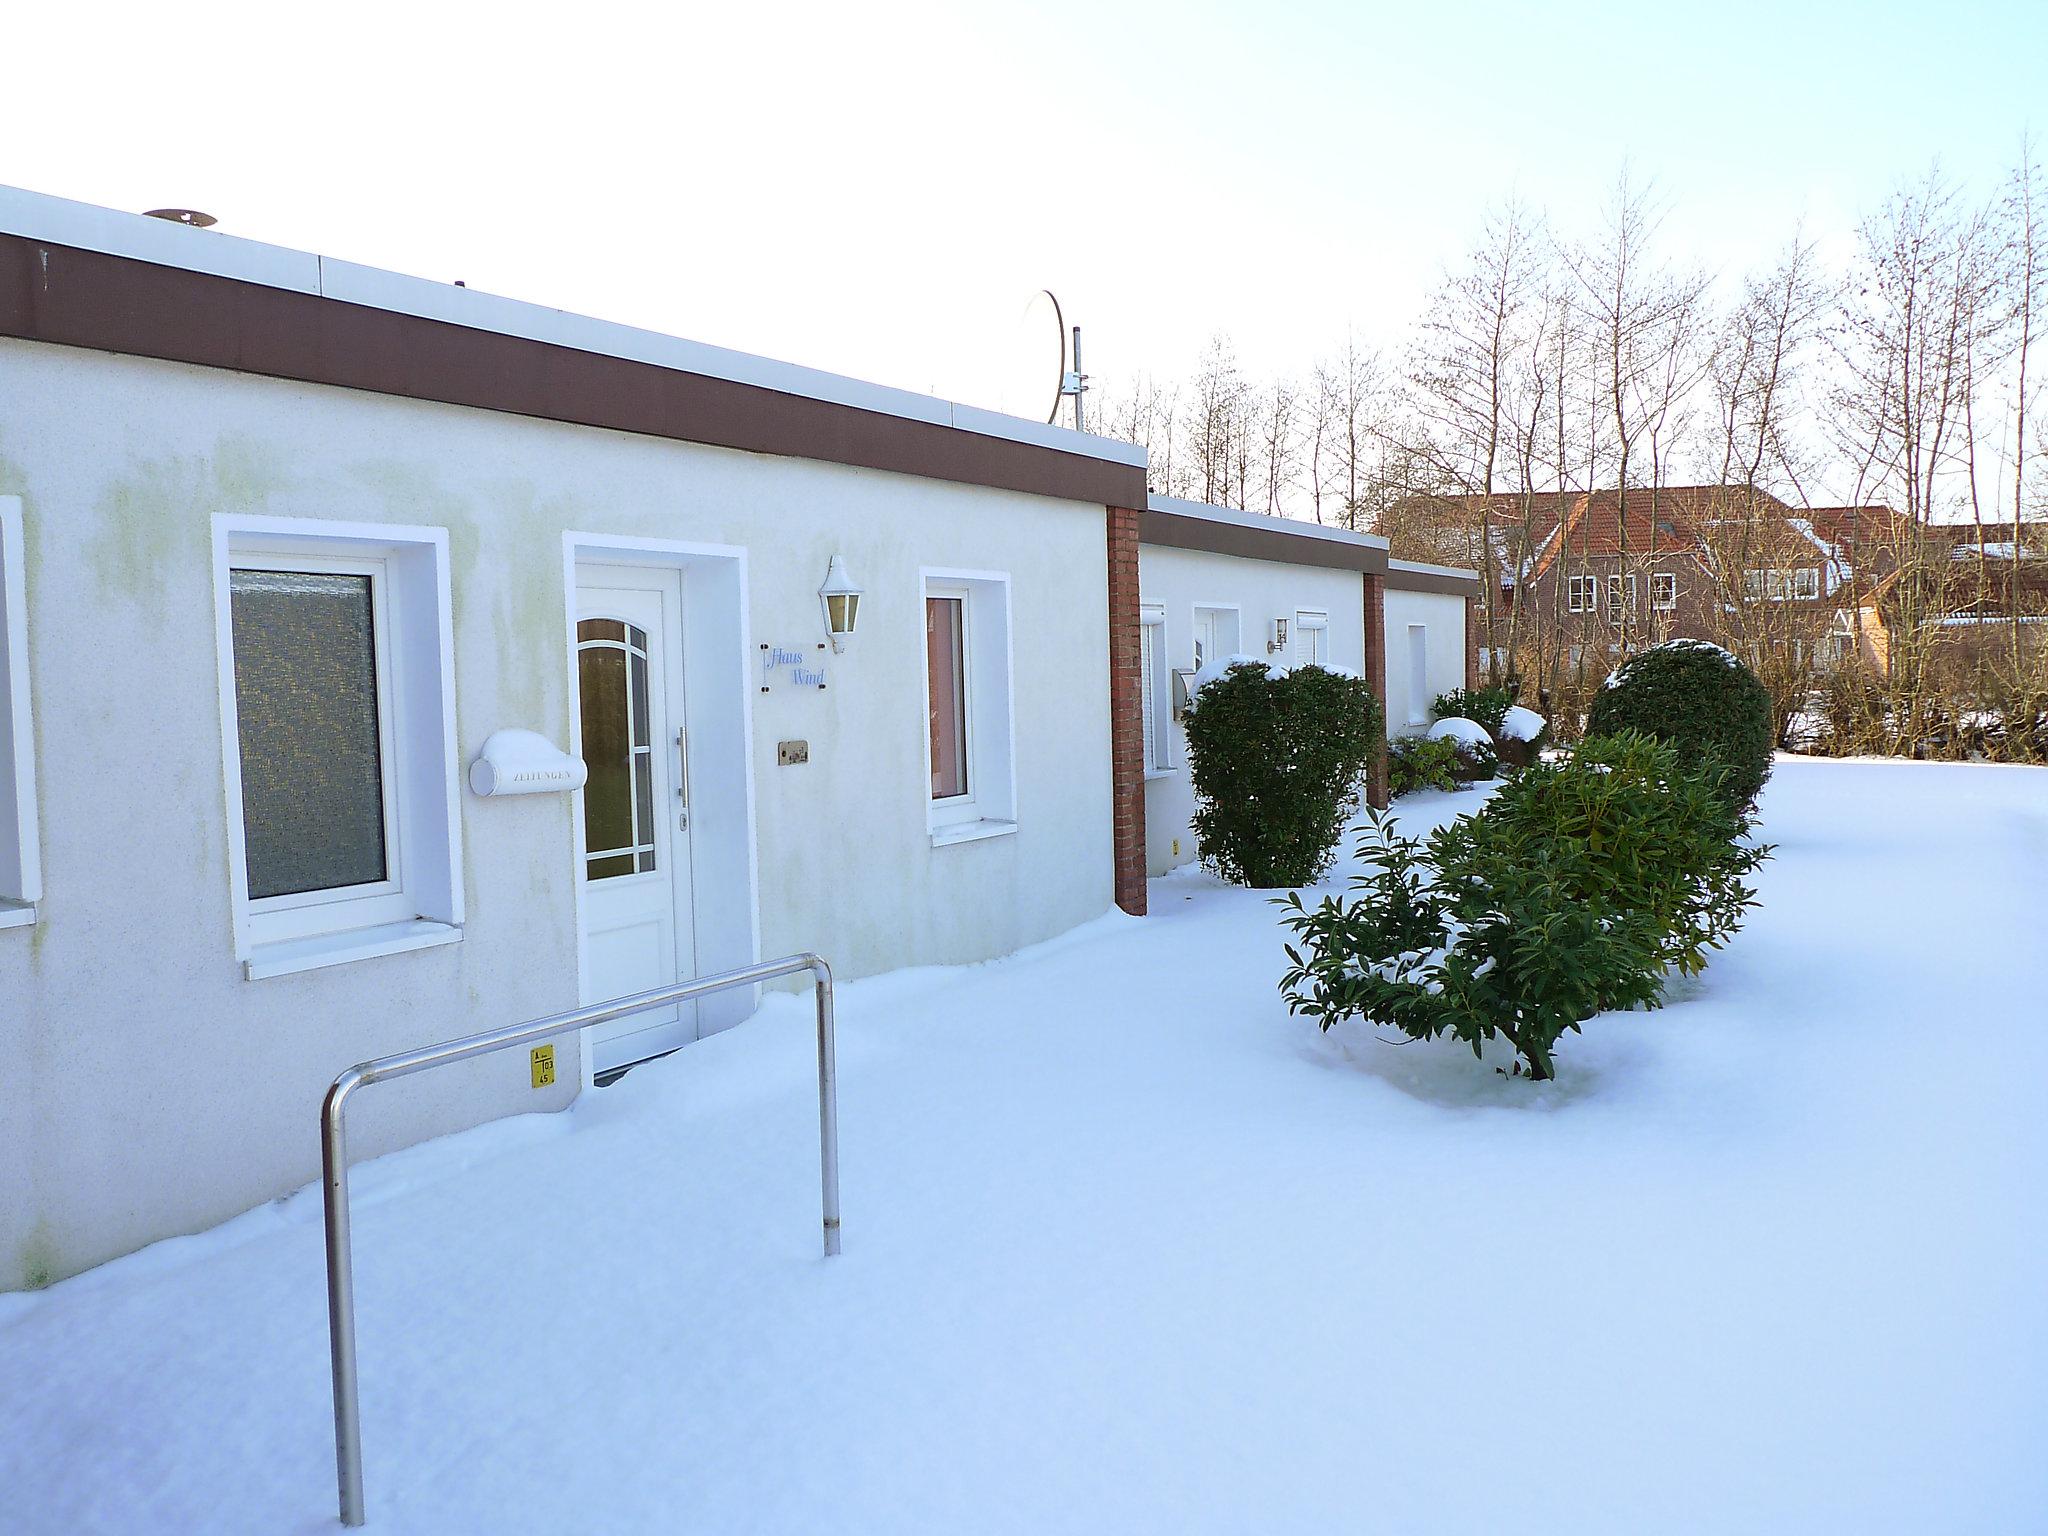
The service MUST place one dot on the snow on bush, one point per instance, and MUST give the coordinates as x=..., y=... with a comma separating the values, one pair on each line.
x=1470, y=732
x=1277, y=757
x=1578, y=888
x=1478, y=758
x=1519, y=724
x=1485, y=705
x=1701, y=700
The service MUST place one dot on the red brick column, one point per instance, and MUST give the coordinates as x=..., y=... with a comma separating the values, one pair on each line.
x=1376, y=675
x=1126, y=712
x=1471, y=642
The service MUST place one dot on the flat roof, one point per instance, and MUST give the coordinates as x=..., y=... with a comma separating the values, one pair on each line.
x=192, y=265
x=1420, y=576
x=1170, y=522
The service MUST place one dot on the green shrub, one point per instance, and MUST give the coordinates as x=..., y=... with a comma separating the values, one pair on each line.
x=1703, y=701
x=1421, y=762
x=1476, y=760
x=1277, y=760
x=1576, y=889
x=1487, y=706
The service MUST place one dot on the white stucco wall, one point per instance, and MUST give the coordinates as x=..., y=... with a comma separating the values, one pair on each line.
x=1442, y=616
x=1179, y=580
x=149, y=1089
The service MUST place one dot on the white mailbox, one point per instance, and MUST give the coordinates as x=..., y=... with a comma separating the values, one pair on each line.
x=517, y=762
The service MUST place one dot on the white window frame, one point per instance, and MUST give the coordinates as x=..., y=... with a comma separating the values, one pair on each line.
x=419, y=903
x=21, y=872
x=989, y=808
x=1155, y=687
x=379, y=901
x=1663, y=591
x=1754, y=584
x=1581, y=593
x=1806, y=584
x=1312, y=631
x=1624, y=584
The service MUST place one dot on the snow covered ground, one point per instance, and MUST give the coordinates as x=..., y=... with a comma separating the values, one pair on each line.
x=1130, y=1250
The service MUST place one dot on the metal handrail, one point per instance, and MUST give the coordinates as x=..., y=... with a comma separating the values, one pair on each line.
x=341, y=1301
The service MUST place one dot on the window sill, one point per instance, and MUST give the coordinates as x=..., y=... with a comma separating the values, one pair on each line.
x=1159, y=773
x=17, y=914
x=285, y=957
x=971, y=832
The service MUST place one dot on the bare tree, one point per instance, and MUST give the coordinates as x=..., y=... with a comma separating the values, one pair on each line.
x=1214, y=421
x=1644, y=320
x=1468, y=385
x=1916, y=330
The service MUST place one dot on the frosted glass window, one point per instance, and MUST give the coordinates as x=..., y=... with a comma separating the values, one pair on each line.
x=946, y=680
x=618, y=746
x=313, y=774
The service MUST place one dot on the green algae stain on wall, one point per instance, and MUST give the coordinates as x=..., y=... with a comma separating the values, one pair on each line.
x=36, y=1266
x=154, y=522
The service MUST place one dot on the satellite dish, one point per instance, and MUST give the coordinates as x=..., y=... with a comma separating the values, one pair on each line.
x=1035, y=368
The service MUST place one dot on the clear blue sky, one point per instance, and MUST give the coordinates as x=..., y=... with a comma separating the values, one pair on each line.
x=877, y=188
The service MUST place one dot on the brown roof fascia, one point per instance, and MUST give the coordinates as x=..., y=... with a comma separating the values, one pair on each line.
x=77, y=298
x=1177, y=530
x=1463, y=584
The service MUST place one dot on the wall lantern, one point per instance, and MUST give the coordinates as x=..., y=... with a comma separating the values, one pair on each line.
x=841, y=600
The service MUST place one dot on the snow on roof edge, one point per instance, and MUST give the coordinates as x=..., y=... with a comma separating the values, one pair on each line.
x=113, y=232
x=1297, y=527
x=1424, y=568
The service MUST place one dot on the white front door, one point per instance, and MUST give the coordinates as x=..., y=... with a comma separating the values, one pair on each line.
x=637, y=931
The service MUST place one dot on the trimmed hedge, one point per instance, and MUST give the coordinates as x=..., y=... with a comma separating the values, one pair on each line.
x=1277, y=760
x=1702, y=701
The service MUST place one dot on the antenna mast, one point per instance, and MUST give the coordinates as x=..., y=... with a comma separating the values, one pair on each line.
x=1074, y=383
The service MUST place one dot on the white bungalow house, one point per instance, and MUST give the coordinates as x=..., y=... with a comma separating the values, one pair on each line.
x=1216, y=582
x=385, y=661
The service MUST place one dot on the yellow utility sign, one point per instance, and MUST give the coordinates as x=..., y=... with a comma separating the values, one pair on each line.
x=543, y=1065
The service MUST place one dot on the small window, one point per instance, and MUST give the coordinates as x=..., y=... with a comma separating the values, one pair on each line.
x=1621, y=595
x=340, y=742
x=21, y=885
x=1311, y=638
x=1806, y=583
x=967, y=705
x=1579, y=593
x=945, y=638
x=313, y=707
x=1664, y=591
x=1152, y=681
x=1753, y=586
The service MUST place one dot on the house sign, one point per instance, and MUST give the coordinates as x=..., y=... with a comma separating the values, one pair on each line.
x=792, y=666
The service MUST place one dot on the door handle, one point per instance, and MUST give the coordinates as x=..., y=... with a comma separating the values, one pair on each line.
x=683, y=781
